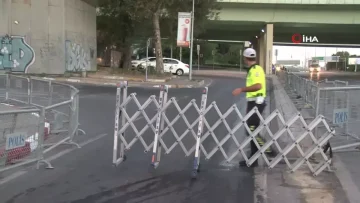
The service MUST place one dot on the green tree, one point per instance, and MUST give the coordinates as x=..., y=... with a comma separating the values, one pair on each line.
x=342, y=54
x=120, y=24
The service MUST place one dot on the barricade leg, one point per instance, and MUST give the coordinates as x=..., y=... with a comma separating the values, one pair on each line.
x=77, y=117
x=119, y=147
x=196, y=166
x=40, y=146
x=155, y=160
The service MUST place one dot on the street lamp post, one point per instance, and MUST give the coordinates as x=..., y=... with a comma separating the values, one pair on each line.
x=192, y=39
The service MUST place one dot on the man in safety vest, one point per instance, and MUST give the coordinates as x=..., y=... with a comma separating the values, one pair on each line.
x=255, y=95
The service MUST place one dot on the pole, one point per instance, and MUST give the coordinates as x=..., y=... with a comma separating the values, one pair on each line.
x=180, y=54
x=198, y=54
x=171, y=51
x=240, y=58
x=198, y=61
x=337, y=60
x=192, y=39
x=213, y=63
x=147, y=57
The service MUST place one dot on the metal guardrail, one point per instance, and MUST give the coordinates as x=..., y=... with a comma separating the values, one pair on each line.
x=156, y=124
x=338, y=102
x=36, y=116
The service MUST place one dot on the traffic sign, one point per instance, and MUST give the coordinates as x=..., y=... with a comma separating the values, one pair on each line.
x=320, y=58
x=340, y=116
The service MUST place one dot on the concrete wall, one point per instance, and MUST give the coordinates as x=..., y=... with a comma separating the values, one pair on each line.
x=324, y=2
x=80, y=27
x=62, y=33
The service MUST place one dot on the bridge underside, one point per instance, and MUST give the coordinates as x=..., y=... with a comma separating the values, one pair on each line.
x=246, y=31
x=330, y=24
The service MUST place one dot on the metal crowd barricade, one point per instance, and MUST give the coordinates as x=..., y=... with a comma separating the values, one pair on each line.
x=164, y=127
x=56, y=104
x=340, y=106
x=22, y=137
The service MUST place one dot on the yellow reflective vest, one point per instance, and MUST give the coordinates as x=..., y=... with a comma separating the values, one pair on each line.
x=256, y=75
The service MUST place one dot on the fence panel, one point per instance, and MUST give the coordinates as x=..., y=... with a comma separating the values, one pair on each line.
x=59, y=104
x=3, y=87
x=21, y=133
x=209, y=131
x=19, y=89
x=337, y=102
x=40, y=92
x=341, y=107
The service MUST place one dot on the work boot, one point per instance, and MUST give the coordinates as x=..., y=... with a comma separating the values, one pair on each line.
x=243, y=164
x=261, y=143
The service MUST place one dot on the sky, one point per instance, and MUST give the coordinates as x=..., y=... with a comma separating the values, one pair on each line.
x=300, y=53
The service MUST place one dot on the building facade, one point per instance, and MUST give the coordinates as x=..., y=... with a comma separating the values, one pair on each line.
x=47, y=36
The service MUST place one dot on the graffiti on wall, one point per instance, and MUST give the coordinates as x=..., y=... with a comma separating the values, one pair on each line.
x=15, y=54
x=77, y=58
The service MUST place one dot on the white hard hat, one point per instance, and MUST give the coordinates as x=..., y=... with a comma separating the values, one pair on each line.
x=249, y=53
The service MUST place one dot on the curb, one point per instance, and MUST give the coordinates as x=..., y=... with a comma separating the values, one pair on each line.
x=286, y=107
x=114, y=84
x=225, y=75
x=129, y=79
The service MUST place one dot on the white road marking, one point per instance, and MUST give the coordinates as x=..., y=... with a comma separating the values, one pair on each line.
x=62, y=153
x=56, y=156
x=12, y=177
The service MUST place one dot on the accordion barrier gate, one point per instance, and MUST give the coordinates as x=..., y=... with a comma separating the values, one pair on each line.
x=160, y=127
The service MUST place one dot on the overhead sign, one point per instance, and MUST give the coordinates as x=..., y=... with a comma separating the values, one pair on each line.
x=340, y=116
x=299, y=38
x=353, y=61
x=320, y=58
x=15, y=140
x=335, y=58
x=184, y=27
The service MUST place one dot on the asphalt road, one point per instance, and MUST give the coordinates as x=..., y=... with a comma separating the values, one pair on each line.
x=86, y=175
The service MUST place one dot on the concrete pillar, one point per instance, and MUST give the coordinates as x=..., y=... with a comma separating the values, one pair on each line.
x=261, y=51
x=256, y=46
x=265, y=48
x=269, y=40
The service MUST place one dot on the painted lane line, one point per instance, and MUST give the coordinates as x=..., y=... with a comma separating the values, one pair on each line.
x=60, y=154
x=52, y=158
x=12, y=177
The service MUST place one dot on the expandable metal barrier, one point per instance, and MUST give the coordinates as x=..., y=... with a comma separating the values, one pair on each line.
x=121, y=144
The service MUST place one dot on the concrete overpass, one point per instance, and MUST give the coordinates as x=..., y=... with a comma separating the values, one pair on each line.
x=331, y=21
x=59, y=34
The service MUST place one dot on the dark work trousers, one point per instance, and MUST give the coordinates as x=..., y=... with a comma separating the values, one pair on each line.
x=254, y=121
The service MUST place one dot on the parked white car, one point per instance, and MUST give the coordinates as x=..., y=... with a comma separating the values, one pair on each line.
x=171, y=65
x=136, y=63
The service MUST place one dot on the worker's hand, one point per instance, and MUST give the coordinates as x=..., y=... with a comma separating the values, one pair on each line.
x=237, y=91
